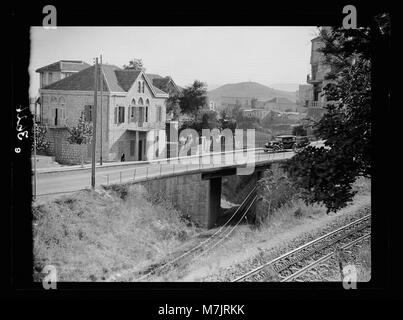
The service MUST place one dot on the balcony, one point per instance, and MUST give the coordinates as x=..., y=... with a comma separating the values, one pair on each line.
x=312, y=80
x=145, y=126
x=315, y=104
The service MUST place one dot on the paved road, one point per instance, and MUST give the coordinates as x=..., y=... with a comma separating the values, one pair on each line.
x=68, y=181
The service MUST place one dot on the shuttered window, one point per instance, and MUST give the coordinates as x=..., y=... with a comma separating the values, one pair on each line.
x=88, y=113
x=121, y=114
x=159, y=113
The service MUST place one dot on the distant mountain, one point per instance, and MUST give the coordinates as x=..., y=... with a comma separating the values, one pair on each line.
x=249, y=89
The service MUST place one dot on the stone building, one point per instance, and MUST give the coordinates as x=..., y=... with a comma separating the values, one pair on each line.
x=317, y=79
x=305, y=95
x=319, y=69
x=132, y=110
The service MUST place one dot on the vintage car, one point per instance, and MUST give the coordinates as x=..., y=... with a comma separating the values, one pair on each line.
x=286, y=142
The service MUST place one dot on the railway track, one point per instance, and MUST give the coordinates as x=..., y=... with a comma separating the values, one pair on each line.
x=293, y=263
x=207, y=245
x=321, y=261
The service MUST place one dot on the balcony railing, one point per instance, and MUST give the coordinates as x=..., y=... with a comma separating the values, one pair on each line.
x=138, y=125
x=313, y=79
x=315, y=104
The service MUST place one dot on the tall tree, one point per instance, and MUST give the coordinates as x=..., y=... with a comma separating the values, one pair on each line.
x=135, y=64
x=326, y=174
x=193, y=98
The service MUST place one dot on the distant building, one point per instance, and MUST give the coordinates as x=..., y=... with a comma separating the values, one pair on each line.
x=228, y=103
x=255, y=113
x=280, y=104
x=59, y=70
x=212, y=105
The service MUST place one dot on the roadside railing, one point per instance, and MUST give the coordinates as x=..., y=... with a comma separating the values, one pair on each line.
x=196, y=163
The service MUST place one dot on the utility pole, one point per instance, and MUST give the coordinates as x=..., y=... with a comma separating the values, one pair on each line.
x=94, y=124
x=102, y=88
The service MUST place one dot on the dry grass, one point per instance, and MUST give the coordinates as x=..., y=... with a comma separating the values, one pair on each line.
x=90, y=235
x=364, y=261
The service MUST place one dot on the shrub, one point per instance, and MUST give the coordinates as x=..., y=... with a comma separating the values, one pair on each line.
x=274, y=190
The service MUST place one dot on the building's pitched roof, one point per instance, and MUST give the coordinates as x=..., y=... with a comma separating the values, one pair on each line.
x=126, y=78
x=162, y=82
x=65, y=65
x=280, y=100
x=111, y=77
x=114, y=79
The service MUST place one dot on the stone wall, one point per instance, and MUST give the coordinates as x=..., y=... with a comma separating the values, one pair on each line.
x=190, y=194
x=63, y=151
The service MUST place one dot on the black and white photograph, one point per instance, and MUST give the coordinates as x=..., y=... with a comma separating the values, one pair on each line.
x=194, y=154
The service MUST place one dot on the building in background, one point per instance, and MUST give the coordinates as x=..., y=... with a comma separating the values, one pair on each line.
x=319, y=69
x=280, y=104
x=133, y=114
x=165, y=84
x=59, y=70
x=317, y=79
x=255, y=113
x=305, y=95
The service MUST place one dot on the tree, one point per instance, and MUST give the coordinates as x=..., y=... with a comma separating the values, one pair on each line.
x=41, y=141
x=135, y=64
x=326, y=174
x=193, y=98
x=80, y=134
x=299, y=130
x=173, y=105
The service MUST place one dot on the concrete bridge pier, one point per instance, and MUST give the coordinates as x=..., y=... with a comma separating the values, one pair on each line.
x=197, y=195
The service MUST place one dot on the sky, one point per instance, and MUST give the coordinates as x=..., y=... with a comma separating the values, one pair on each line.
x=215, y=55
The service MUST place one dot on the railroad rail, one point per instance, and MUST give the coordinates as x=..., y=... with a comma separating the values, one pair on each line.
x=284, y=266
x=322, y=260
x=212, y=241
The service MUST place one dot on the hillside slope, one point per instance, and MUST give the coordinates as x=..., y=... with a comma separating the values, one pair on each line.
x=249, y=89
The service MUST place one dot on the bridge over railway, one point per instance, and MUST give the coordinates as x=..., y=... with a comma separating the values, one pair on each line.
x=192, y=183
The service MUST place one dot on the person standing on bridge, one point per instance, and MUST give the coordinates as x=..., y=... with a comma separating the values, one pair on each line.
x=122, y=158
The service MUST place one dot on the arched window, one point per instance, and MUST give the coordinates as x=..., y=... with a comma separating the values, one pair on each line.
x=62, y=102
x=62, y=108
x=53, y=102
x=141, y=102
x=147, y=102
x=132, y=111
x=54, y=117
